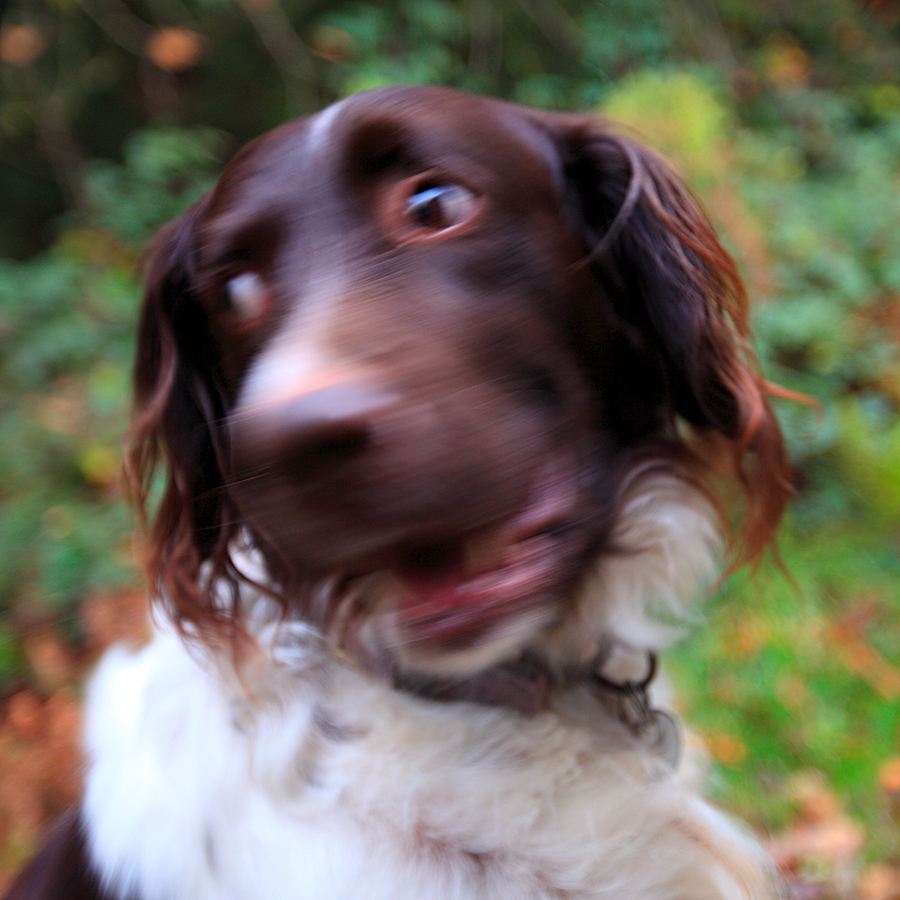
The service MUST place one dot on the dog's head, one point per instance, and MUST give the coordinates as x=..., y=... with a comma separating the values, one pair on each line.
x=448, y=345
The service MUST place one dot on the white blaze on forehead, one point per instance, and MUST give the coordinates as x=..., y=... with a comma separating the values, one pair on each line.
x=276, y=373
x=319, y=134
x=301, y=359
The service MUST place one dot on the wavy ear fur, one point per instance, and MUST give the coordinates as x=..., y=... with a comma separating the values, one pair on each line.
x=178, y=408
x=675, y=324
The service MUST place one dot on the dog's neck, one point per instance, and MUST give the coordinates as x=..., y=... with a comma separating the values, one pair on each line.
x=525, y=685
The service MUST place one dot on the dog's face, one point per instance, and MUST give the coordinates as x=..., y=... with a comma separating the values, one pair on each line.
x=430, y=338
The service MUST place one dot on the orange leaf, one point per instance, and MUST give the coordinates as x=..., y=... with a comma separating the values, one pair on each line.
x=726, y=748
x=174, y=49
x=21, y=45
x=889, y=776
x=880, y=883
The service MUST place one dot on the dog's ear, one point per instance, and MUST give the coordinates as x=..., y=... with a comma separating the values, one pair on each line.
x=673, y=347
x=178, y=407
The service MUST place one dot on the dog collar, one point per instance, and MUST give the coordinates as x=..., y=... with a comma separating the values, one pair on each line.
x=524, y=685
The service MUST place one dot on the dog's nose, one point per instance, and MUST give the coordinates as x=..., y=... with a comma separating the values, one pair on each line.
x=319, y=429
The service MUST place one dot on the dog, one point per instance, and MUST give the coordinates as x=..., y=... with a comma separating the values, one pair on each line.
x=455, y=405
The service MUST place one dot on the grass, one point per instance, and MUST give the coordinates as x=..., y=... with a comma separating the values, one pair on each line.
x=796, y=676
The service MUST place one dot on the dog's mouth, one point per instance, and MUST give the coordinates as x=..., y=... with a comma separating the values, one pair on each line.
x=450, y=595
x=453, y=594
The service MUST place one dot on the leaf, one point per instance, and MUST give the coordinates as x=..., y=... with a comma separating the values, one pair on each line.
x=174, y=49
x=889, y=776
x=880, y=882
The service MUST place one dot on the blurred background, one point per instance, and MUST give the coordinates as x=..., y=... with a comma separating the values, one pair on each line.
x=785, y=116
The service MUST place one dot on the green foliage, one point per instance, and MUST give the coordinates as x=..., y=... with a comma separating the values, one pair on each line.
x=59, y=424
x=494, y=49
x=835, y=241
x=163, y=170
x=67, y=322
x=869, y=455
x=683, y=113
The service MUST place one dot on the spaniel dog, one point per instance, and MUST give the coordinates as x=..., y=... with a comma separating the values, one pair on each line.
x=455, y=406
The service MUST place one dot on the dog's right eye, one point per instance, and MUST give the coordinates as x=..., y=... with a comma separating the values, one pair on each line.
x=441, y=206
x=428, y=207
x=247, y=299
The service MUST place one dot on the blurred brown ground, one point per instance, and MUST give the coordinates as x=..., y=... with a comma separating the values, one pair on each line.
x=40, y=756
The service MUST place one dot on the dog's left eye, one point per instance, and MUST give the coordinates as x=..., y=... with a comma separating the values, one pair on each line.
x=440, y=206
x=247, y=298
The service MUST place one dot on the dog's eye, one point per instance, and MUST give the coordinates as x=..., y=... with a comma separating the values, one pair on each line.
x=247, y=298
x=440, y=206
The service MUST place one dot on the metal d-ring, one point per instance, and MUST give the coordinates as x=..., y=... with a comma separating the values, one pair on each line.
x=650, y=726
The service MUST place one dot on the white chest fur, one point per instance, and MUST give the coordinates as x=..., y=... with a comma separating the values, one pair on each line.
x=304, y=779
